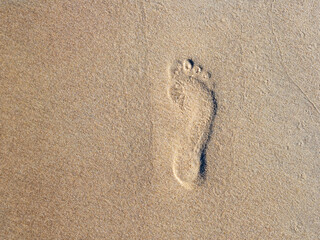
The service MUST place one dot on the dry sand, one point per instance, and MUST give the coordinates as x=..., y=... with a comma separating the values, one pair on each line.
x=109, y=130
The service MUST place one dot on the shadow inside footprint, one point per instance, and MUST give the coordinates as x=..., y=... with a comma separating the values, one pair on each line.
x=203, y=161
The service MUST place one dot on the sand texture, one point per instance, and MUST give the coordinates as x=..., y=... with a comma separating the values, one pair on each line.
x=159, y=119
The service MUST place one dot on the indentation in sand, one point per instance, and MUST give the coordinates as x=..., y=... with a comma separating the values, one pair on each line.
x=190, y=90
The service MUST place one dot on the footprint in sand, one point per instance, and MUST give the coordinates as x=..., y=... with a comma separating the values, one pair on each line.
x=191, y=92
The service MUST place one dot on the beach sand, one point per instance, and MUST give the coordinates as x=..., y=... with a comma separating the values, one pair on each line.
x=159, y=119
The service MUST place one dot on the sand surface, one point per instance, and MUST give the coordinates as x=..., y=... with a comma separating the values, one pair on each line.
x=106, y=132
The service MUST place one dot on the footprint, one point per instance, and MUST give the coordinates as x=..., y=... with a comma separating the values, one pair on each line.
x=190, y=90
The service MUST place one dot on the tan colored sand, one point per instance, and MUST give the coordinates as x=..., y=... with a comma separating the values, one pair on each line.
x=88, y=129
